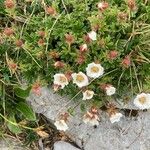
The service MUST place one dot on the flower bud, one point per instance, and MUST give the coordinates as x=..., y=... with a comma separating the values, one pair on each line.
x=54, y=54
x=126, y=62
x=112, y=55
x=87, y=39
x=80, y=59
x=19, y=43
x=8, y=31
x=69, y=39
x=41, y=34
x=122, y=16
x=59, y=64
x=102, y=43
x=132, y=4
x=102, y=6
x=41, y=42
x=12, y=66
x=9, y=4
x=83, y=48
x=68, y=75
x=50, y=10
x=36, y=89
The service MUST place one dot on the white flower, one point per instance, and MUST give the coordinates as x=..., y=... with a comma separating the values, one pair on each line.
x=94, y=70
x=110, y=90
x=92, y=35
x=88, y=94
x=80, y=79
x=115, y=117
x=60, y=79
x=61, y=125
x=91, y=119
x=142, y=101
x=102, y=5
x=83, y=48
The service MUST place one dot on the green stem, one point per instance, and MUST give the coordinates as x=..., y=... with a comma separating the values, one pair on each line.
x=16, y=124
x=32, y=57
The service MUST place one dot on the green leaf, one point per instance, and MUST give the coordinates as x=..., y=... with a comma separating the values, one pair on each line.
x=13, y=128
x=82, y=107
x=23, y=93
x=27, y=111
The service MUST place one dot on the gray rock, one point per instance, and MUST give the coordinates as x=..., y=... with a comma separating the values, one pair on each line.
x=11, y=144
x=60, y=145
x=128, y=134
x=124, y=135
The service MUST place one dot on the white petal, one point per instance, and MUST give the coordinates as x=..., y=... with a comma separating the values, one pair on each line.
x=96, y=74
x=94, y=122
x=80, y=84
x=57, y=80
x=115, y=117
x=146, y=102
x=110, y=90
x=88, y=94
x=61, y=125
x=100, y=5
x=91, y=120
x=92, y=35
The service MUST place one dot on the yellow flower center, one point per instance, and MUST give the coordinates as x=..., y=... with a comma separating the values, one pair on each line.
x=79, y=78
x=142, y=100
x=95, y=69
x=88, y=93
x=62, y=79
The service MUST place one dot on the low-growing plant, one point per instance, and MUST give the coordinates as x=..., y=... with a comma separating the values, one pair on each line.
x=98, y=48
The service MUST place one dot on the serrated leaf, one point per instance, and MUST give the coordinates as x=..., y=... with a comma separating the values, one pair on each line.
x=22, y=93
x=13, y=128
x=27, y=111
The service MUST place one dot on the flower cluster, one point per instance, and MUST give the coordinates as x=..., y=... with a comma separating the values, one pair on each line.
x=72, y=52
x=93, y=70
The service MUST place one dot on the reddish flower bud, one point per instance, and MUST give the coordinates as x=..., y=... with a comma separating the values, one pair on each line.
x=50, y=10
x=59, y=64
x=41, y=34
x=102, y=6
x=69, y=39
x=83, y=48
x=103, y=86
x=87, y=39
x=41, y=42
x=80, y=59
x=112, y=55
x=9, y=4
x=19, y=43
x=54, y=54
x=12, y=66
x=126, y=62
x=8, y=31
x=122, y=16
x=68, y=75
x=36, y=89
x=132, y=4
